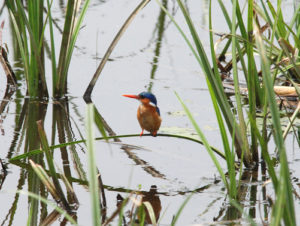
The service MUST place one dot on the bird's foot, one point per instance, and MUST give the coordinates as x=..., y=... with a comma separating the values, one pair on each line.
x=154, y=134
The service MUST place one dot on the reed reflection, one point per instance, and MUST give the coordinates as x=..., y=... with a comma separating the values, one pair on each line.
x=27, y=137
x=159, y=32
x=61, y=122
x=248, y=200
x=34, y=111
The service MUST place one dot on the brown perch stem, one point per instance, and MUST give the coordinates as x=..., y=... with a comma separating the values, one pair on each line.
x=90, y=87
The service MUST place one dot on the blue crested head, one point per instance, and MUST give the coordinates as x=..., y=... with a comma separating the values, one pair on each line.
x=149, y=96
x=152, y=99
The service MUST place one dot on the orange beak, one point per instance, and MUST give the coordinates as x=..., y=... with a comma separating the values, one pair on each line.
x=131, y=96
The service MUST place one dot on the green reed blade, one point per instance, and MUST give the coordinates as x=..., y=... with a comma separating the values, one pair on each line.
x=36, y=61
x=229, y=155
x=69, y=187
x=252, y=81
x=283, y=189
x=225, y=13
x=214, y=100
x=65, y=42
x=203, y=61
x=73, y=38
x=50, y=162
x=99, y=123
x=242, y=123
x=277, y=15
x=45, y=179
x=38, y=151
x=23, y=51
x=205, y=142
x=175, y=218
x=139, y=214
x=53, y=54
x=290, y=31
x=33, y=62
x=295, y=114
x=151, y=213
x=92, y=168
x=215, y=82
x=49, y=203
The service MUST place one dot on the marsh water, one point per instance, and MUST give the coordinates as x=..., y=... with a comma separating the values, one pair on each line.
x=150, y=56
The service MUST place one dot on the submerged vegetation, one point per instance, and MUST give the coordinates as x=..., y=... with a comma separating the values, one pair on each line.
x=262, y=71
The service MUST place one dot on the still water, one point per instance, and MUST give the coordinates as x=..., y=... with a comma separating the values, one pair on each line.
x=150, y=56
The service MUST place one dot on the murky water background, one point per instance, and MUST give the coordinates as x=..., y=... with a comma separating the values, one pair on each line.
x=139, y=61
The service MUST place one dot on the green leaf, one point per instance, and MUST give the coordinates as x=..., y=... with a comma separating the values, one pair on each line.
x=92, y=169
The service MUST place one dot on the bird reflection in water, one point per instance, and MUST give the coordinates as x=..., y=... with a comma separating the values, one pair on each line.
x=153, y=198
x=140, y=209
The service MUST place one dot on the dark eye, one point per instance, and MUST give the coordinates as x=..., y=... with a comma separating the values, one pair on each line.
x=142, y=97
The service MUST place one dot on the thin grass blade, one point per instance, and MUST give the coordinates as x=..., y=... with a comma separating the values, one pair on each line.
x=151, y=213
x=205, y=142
x=49, y=203
x=92, y=170
x=284, y=188
x=173, y=223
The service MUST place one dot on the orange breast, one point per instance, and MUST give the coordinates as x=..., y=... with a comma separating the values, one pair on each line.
x=148, y=118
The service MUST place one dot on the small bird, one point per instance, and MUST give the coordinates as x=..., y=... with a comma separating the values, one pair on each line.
x=147, y=114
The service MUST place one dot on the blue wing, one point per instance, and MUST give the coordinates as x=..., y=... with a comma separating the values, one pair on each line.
x=158, y=111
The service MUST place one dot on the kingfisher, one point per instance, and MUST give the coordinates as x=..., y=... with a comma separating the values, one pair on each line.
x=148, y=113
